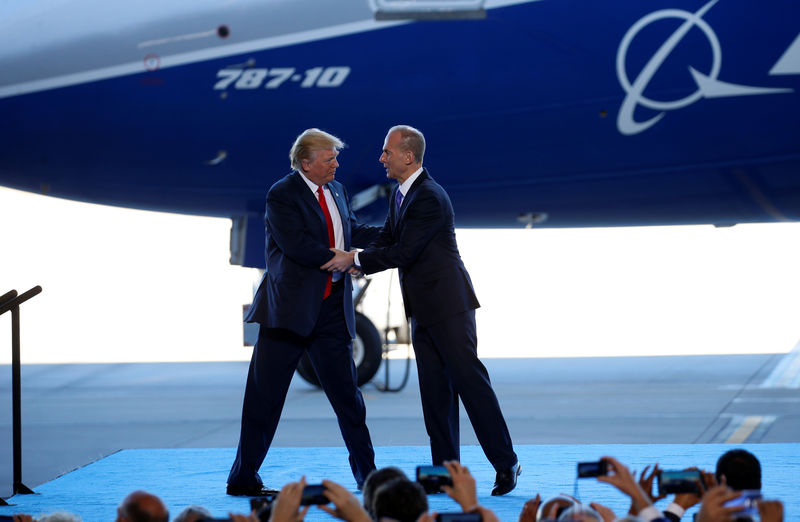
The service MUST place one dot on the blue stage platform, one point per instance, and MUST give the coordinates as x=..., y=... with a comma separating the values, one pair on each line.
x=182, y=477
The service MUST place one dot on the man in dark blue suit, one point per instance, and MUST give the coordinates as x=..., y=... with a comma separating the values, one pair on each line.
x=301, y=308
x=418, y=238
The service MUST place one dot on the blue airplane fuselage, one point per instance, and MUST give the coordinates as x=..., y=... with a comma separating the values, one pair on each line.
x=580, y=113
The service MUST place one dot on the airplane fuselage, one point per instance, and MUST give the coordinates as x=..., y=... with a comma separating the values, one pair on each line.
x=565, y=112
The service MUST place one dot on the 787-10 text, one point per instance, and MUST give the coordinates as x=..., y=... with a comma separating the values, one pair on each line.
x=273, y=78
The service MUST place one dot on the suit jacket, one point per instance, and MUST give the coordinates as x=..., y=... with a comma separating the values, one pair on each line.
x=290, y=293
x=421, y=242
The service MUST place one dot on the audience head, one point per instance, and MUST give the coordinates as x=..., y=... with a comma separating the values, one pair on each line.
x=560, y=502
x=60, y=516
x=193, y=514
x=580, y=513
x=141, y=506
x=740, y=468
x=376, y=479
x=400, y=499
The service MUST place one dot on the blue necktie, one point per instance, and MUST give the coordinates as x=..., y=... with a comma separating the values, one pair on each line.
x=398, y=200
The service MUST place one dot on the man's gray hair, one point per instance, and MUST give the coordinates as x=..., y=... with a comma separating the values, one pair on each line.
x=60, y=516
x=192, y=513
x=411, y=140
x=310, y=141
x=580, y=512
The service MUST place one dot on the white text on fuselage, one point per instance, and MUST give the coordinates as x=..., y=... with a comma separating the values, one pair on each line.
x=275, y=77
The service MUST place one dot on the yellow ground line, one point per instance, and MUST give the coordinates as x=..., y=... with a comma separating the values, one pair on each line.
x=745, y=430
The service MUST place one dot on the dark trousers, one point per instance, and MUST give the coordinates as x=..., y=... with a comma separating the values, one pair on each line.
x=274, y=361
x=449, y=368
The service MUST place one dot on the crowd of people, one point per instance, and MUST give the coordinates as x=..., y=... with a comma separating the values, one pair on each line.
x=730, y=493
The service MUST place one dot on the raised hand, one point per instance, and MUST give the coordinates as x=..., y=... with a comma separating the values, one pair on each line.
x=623, y=480
x=529, y=509
x=646, y=482
x=687, y=500
x=770, y=510
x=463, y=489
x=287, y=506
x=347, y=505
x=713, y=508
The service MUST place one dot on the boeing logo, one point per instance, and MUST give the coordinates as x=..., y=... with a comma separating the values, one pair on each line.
x=708, y=86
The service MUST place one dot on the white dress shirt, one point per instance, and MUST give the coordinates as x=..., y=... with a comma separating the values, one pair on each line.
x=406, y=185
x=338, y=233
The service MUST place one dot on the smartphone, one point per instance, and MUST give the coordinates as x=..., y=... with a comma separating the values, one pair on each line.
x=749, y=500
x=432, y=478
x=592, y=469
x=312, y=494
x=458, y=517
x=679, y=482
x=257, y=503
x=262, y=506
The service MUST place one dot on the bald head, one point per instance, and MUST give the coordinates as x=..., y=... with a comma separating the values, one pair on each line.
x=141, y=506
x=411, y=140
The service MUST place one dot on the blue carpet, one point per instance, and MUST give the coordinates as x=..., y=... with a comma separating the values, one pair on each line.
x=182, y=477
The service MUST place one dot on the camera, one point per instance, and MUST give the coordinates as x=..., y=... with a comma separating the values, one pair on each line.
x=679, y=482
x=458, y=517
x=592, y=469
x=749, y=500
x=262, y=507
x=312, y=495
x=432, y=478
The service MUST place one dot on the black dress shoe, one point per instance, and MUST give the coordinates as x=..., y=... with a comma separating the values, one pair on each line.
x=506, y=480
x=255, y=490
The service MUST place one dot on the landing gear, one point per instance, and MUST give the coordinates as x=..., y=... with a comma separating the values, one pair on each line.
x=367, y=353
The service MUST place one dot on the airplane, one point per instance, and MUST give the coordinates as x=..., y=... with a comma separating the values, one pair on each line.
x=546, y=113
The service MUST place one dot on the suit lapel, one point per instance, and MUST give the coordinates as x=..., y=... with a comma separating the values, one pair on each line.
x=309, y=199
x=409, y=198
x=341, y=206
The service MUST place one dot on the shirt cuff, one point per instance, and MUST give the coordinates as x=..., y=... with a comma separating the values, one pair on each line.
x=675, y=509
x=650, y=513
x=355, y=260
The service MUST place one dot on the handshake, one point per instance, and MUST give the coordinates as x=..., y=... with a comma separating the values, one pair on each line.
x=342, y=262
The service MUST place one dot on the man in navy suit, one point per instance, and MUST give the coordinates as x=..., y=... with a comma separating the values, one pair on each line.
x=301, y=308
x=419, y=239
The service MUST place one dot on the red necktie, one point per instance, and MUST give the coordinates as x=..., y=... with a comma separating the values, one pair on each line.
x=331, y=238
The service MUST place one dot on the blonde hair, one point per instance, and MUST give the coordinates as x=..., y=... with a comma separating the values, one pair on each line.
x=310, y=141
